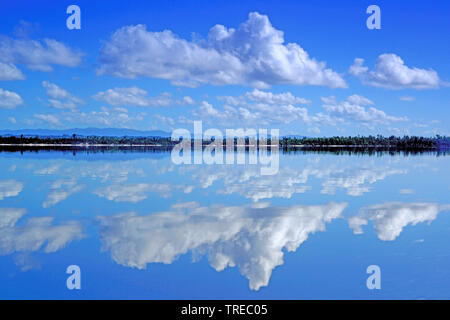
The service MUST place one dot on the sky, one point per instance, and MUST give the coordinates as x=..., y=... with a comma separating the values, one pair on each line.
x=305, y=67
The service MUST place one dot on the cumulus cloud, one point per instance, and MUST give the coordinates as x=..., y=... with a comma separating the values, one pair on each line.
x=389, y=219
x=119, y=97
x=253, y=54
x=391, y=72
x=9, y=99
x=9, y=72
x=124, y=97
x=60, y=98
x=355, y=108
x=37, y=55
x=275, y=98
x=265, y=108
x=256, y=113
x=105, y=117
x=10, y=188
x=35, y=233
x=252, y=238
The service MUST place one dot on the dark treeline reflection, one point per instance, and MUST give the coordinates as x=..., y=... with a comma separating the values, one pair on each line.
x=378, y=151
x=364, y=151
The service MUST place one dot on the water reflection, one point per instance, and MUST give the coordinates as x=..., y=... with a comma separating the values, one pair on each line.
x=10, y=188
x=389, y=219
x=144, y=210
x=60, y=191
x=34, y=233
x=251, y=238
x=248, y=182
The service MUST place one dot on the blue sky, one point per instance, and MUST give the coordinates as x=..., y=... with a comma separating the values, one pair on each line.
x=269, y=64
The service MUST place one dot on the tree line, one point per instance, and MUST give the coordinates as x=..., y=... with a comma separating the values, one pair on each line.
x=379, y=141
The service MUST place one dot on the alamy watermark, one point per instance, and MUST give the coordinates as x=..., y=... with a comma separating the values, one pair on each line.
x=374, y=280
x=73, y=282
x=374, y=20
x=74, y=20
x=242, y=146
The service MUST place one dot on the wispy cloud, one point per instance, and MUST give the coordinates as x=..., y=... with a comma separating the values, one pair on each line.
x=39, y=55
x=60, y=98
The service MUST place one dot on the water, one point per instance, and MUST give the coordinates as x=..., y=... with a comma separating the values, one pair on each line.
x=139, y=226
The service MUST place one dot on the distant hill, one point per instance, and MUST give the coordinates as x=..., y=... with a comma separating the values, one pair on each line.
x=295, y=136
x=101, y=132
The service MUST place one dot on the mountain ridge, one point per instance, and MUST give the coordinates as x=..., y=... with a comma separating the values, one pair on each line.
x=104, y=132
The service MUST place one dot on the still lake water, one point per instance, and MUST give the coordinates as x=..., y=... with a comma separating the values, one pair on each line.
x=141, y=227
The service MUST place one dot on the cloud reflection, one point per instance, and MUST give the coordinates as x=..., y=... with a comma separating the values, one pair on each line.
x=34, y=233
x=251, y=238
x=389, y=219
x=10, y=188
x=60, y=191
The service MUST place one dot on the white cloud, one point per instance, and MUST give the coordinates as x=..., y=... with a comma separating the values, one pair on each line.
x=9, y=99
x=60, y=98
x=35, y=233
x=105, y=117
x=254, y=54
x=389, y=219
x=253, y=113
x=242, y=109
x=188, y=100
x=138, y=97
x=124, y=97
x=37, y=55
x=354, y=108
x=360, y=100
x=406, y=98
x=10, y=188
x=50, y=118
x=391, y=72
x=164, y=120
x=252, y=238
x=9, y=72
x=274, y=98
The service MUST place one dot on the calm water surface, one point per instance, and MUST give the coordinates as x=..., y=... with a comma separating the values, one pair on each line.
x=139, y=226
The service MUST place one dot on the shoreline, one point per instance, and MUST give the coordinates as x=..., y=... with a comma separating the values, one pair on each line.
x=205, y=145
